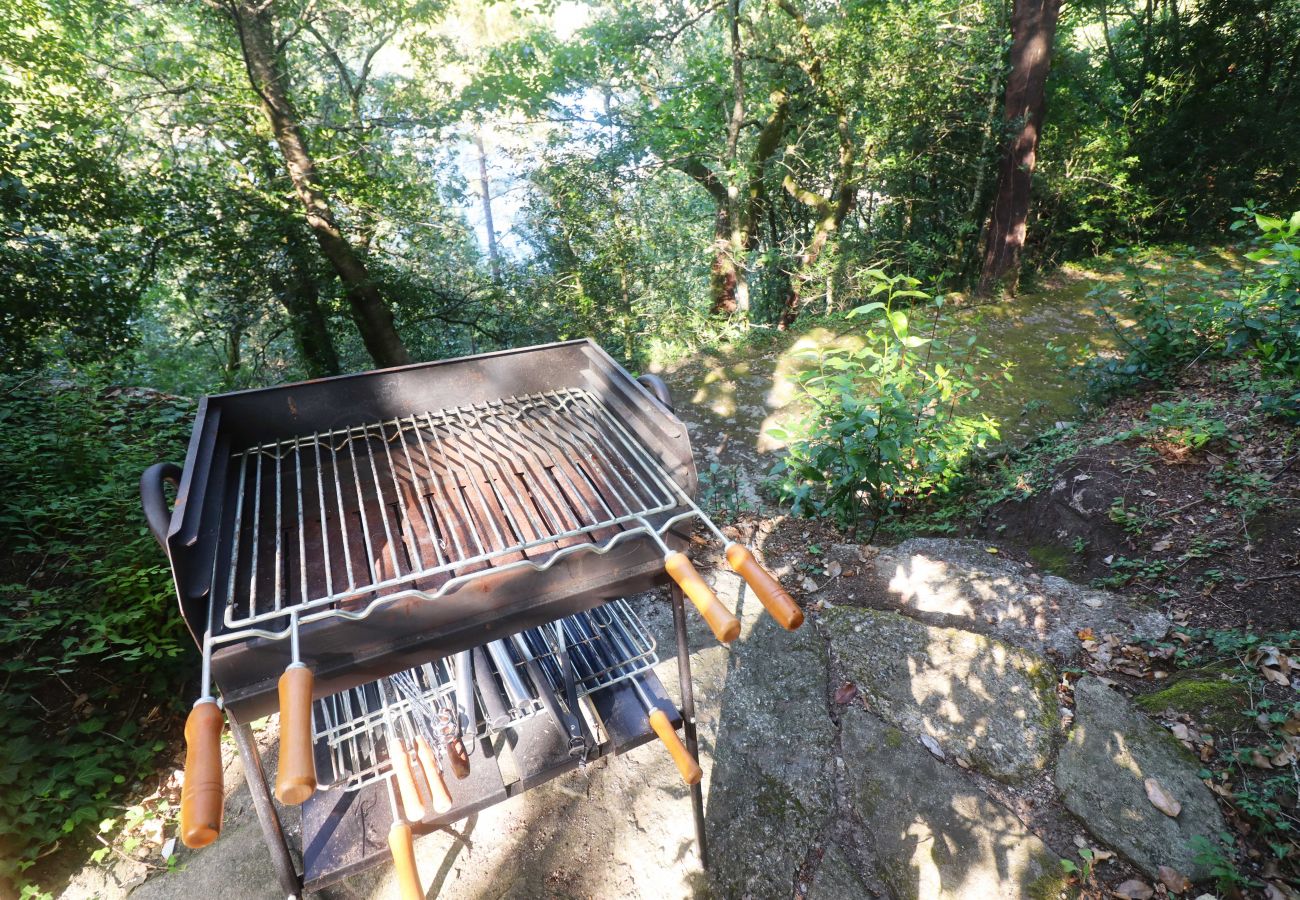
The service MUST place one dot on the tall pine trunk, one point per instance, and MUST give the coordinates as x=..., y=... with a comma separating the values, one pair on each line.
x=262, y=59
x=1033, y=28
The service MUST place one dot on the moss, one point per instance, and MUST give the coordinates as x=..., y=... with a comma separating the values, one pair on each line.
x=893, y=739
x=1049, y=887
x=1052, y=559
x=1207, y=698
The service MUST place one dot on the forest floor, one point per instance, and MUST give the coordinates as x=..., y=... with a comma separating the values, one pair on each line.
x=1183, y=499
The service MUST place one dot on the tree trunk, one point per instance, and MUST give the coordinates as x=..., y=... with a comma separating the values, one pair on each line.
x=485, y=188
x=1033, y=28
x=262, y=59
x=722, y=274
x=301, y=300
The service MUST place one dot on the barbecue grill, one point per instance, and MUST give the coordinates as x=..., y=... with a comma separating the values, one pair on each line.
x=415, y=564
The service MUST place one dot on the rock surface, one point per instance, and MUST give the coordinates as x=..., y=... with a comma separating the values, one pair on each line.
x=959, y=583
x=770, y=793
x=1111, y=752
x=935, y=834
x=837, y=878
x=975, y=696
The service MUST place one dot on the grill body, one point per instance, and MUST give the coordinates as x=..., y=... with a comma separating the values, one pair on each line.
x=409, y=513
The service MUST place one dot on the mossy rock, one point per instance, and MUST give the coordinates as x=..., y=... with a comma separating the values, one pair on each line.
x=1202, y=695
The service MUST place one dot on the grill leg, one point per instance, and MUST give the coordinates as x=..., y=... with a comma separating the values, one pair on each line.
x=285, y=869
x=688, y=717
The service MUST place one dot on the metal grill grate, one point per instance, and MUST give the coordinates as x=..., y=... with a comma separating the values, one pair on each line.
x=606, y=645
x=425, y=501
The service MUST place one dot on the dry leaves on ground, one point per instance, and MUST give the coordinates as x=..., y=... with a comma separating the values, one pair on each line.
x=1135, y=890
x=1161, y=799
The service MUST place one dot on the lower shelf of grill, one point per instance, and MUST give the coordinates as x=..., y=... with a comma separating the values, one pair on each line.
x=345, y=832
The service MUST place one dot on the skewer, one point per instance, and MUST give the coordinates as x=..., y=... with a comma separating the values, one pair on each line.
x=412, y=802
x=401, y=843
x=203, y=792
x=295, y=780
x=687, y=765
x=725, y=626
x=419, y=722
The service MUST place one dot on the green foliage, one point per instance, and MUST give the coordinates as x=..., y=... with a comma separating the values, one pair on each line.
x=886, y=422
x=94, y=651
x=1183, y=423
x=1258, y=321
x=1219, y=861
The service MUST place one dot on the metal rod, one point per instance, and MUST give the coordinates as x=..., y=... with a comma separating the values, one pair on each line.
x=272, y=832
x=691, y=739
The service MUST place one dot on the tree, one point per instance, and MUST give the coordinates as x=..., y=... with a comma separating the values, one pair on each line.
x=263, y=58
x=1033, y=30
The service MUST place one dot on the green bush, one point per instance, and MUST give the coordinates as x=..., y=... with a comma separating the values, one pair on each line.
x=93, y=655
x=884, y=422
x=1258, y=322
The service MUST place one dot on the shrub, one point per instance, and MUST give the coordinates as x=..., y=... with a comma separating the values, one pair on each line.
x=92, y=649
x=885, y=422
x=1259, y=322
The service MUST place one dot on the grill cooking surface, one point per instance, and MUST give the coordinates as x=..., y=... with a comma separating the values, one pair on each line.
x=338, y=519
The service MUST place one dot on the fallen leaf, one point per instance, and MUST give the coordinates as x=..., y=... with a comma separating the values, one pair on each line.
x=932, y=745
x=1174, y=880
x=1162, y=545
x=1279, y=890
x=846, y=693
x=1161, y=800
x=1085, y=634
x=1135, y=890
x=991, y=549
x=1099, y=855
x=833, y=569
x=1259, y=760
x=1275, y=676
x=808, y=584
x=1083, y=477
x=1180, y=731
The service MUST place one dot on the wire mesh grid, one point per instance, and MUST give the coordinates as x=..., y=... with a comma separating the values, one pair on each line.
x=333, y=518
x=604, y=646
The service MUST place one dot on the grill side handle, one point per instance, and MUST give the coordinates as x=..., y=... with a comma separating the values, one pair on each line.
x=154, y=499
x=657, y=388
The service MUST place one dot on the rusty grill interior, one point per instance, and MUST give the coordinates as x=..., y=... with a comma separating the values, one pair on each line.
x=330, y=522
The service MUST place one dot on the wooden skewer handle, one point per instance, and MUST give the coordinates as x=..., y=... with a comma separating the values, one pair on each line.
x=437, y=785
x=457, y=757
x=401, y=843
x=726, y=627
x=411, y=801
x=202, y=795
x=686, y=763
x=778, y=602
x=295, y=780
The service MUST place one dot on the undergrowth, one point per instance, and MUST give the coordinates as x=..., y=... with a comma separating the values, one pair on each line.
x=93, y=650
x=887, y=422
